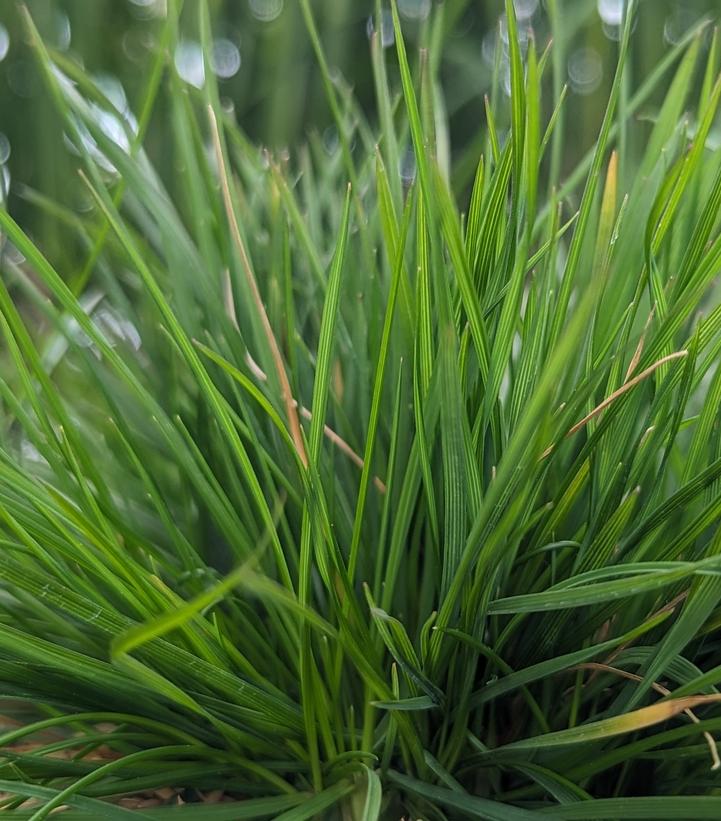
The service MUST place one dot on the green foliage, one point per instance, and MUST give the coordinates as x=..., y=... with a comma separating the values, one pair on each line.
x=356, y=495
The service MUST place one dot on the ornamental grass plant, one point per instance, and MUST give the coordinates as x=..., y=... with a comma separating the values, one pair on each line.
x=352, y=491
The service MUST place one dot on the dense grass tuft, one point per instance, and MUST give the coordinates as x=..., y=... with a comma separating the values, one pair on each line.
x=351, y=492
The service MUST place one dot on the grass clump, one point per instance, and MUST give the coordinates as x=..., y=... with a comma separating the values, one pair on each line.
x=355, y=495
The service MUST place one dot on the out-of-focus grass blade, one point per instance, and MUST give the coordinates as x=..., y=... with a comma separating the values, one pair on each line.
x=576, y=246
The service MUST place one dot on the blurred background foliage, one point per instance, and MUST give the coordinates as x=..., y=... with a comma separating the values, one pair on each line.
x=269, y=78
